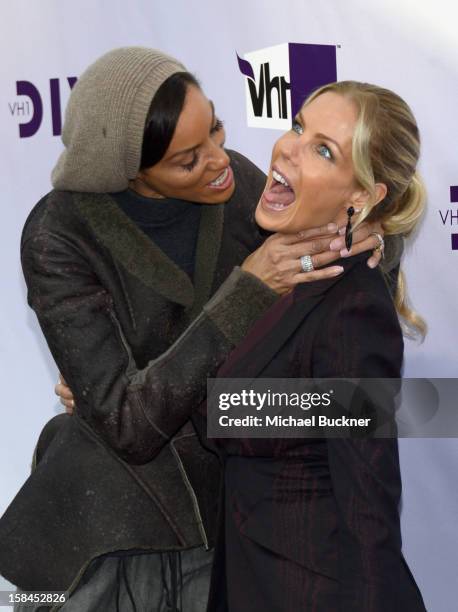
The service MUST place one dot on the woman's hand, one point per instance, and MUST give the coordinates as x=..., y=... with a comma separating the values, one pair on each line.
x=277, y=261
x=62, y=390
x=364, y=239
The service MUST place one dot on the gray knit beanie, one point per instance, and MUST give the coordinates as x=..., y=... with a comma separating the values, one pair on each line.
x=105, y=119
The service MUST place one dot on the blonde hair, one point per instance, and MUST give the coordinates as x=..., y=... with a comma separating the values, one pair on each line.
x=385, y=149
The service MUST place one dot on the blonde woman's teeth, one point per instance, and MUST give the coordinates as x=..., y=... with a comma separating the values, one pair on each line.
x=279, y=178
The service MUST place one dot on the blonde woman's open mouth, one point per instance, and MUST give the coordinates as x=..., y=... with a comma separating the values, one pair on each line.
x=279, y=196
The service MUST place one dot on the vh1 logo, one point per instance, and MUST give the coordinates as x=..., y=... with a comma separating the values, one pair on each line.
x=450, y=216
x=29, y=109
x=453, y=215
x=279, y=78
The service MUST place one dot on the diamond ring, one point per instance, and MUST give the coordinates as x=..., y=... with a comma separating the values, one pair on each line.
x=306, y=263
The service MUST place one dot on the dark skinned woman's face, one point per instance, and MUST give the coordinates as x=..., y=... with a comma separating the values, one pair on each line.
x=195, y=166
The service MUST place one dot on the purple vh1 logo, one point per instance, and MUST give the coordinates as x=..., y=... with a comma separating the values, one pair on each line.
x=279, y=78
x=33, y=107
x=454, y=198
x=451, y=216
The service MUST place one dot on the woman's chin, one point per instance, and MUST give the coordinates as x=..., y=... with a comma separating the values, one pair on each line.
x=274, y=219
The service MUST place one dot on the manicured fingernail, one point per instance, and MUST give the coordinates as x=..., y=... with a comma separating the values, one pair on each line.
x=342, y=231
x=332, y=227
x=338, y=270
x=372, y=264
x=344, y=253
x=336, y=244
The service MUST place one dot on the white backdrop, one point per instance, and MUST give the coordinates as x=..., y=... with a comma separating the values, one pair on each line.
x=406, y=45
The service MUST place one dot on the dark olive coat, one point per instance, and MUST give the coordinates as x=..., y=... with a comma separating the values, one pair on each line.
x=127, y=470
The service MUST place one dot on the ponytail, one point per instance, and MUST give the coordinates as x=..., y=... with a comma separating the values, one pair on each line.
x=405, y=213
x=413, y=325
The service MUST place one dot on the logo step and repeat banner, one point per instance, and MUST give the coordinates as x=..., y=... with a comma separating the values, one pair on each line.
x=279, y=78
x=257, y=61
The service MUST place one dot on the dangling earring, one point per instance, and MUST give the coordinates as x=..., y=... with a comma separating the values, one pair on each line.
x=348, y=232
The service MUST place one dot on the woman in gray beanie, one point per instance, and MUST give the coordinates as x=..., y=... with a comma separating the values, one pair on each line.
x=132, y=267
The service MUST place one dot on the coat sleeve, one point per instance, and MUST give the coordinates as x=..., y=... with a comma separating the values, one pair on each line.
x=363, y=340
x=135, y=411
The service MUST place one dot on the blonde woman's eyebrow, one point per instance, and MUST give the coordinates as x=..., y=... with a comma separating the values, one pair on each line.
x=299, y=117
x=324, y=137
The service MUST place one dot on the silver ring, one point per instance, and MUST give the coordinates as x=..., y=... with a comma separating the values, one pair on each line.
x=381, y=242
x=306, y=263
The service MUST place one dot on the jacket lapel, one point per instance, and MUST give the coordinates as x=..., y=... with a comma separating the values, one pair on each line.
x=208, y=247
x=142, y=258
x=275, y=328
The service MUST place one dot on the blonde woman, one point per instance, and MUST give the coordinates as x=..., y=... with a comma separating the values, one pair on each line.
x=313, y=524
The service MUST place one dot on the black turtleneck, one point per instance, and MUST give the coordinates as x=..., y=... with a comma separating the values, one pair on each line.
x=173, y=225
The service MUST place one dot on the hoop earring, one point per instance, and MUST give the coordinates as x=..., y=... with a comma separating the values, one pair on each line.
x=348, y=232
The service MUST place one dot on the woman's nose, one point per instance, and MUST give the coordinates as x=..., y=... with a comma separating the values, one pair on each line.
x=219, y=158
x=287, y=147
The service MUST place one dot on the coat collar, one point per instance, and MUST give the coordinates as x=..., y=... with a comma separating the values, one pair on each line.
x=142, y=258
x=274, y=329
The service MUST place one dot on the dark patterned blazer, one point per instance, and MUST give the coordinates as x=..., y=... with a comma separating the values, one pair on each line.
x=342, y=524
